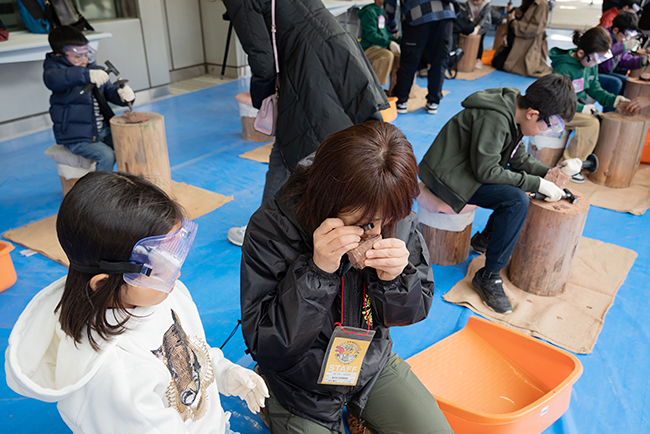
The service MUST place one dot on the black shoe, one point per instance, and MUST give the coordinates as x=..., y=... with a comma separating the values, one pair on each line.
x=489, y=286
x=480, y=242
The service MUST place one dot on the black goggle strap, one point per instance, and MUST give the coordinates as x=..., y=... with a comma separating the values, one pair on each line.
x=113, y=268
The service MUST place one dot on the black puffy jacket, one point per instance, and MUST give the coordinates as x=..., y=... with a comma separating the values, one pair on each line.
x=326, y=81
x=72, y=113
x=289, y=308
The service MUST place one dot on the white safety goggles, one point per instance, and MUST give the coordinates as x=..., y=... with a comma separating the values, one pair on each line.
x=555, y=125
x=79, y=53
x=629, y=34
x=155, y=261
x=594, y=59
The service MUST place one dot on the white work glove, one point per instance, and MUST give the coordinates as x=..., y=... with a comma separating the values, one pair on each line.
x=571, y=167
x=126, y=93
x=98, y=76
x=588, y=108
x=476, y=30
x=394, y=47
x=619, y=99
x=552, y=192
x=631, y=45
x=247, y=385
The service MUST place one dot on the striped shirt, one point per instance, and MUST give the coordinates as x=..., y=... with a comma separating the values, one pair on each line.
x=416, y=12
x=99, y=118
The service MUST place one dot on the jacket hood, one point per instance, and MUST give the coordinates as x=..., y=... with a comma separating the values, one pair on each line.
x=563, y=57
x=502, y=100
x=41, y=361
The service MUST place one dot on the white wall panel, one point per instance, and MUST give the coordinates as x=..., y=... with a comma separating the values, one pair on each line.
x=185, y=37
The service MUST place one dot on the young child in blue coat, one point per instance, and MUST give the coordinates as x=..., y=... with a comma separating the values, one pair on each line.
x=80, y=94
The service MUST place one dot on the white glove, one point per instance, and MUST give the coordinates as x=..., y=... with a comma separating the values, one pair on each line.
x=631, y=45
x=619, y=99
x=98, y=76
x=571, y=167
x=394, y=47
x=247, y=385
x=588, y=108
x=126, y=93
x=552, y=192
x=475, y=32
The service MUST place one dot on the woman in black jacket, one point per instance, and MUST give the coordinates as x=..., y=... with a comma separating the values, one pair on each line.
x=298, y=287
x=326, y=83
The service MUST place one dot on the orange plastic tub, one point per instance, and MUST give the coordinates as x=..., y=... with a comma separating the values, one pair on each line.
x=390, y=114
x=645, y=156
x=7, y=271
x=489, y=379
x=487, y=57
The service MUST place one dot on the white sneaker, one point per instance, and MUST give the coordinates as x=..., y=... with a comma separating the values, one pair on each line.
x=236, y=235
x=479, y=64
x=431, y=108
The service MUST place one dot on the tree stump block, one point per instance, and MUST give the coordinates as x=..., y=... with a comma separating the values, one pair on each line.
x=543, y=256
x=469, y=44
x=619, y=147
x=141, y=149
x=636, y=87
x=501, y=33
x=447, y=247
x=248, y=113
x=547, y=156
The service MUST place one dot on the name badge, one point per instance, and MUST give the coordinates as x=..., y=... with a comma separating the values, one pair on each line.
x=579, y=85
x=381, y=21
x=345, y=353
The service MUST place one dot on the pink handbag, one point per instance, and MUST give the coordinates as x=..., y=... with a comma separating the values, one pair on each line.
x=267, y=116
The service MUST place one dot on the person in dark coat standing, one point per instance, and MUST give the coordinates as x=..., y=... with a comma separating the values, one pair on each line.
x=326, y=83
x=299, y=288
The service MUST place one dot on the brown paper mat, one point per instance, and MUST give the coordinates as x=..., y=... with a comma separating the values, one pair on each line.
x=634, y=199
x=477, y=73
x=260, y=154
x=572, y=320
x=418, y=98
x=41, y=236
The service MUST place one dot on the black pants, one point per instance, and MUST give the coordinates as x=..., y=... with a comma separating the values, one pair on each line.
x=433, y=38
x=510, y=205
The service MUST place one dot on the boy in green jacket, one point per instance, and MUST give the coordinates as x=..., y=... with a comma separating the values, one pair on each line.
x=381, y=47
x=479, y=159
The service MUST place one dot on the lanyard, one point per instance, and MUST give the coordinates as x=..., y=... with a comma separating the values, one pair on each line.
x=365, y=311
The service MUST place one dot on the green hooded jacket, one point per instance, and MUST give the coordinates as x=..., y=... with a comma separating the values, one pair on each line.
x=585, y=80
x=372, y=33
x=476, y=146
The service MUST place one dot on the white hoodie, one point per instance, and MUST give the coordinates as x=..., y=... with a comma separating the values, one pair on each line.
x=127, y=386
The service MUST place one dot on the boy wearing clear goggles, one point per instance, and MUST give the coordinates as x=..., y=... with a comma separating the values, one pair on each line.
x=118, y=343
x=478, y=159
x=81, y=118
x=581, y=65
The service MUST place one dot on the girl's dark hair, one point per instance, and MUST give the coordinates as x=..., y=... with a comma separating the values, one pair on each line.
x=368, y=167
x=101, y=218
x=594, y=40
x=61, y=36
x=626, y=21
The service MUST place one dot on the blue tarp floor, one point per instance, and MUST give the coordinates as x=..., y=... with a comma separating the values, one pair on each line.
x=204, y=141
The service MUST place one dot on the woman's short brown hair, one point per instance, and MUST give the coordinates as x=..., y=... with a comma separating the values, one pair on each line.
x=368, y=167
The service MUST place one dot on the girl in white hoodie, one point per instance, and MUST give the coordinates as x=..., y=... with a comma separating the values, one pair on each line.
x=118, y=343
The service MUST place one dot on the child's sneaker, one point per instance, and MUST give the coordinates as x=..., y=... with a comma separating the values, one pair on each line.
x=578, y=178
x=431, y=108
x=236, y=235
x=401, y=108
x=478, y=64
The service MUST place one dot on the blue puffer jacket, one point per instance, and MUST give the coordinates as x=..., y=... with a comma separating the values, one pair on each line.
x=73, y=114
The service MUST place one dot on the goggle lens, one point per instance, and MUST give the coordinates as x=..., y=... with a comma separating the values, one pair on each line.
x=77, y=54
x=555, y=125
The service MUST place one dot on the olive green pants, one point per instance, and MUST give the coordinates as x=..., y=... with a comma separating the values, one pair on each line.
x=398, y=404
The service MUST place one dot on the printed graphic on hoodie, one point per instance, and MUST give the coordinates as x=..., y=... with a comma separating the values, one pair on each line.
x=188, y=362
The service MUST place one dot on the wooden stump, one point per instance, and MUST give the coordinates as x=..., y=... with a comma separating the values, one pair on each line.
x=447, y=247
x=547, y=156
x=543, y=256
x=636, y=87
x=502, y=32
x=141, y=149
x=67, y=184
x=469, y=44
x=619, y=148
x=250, y=134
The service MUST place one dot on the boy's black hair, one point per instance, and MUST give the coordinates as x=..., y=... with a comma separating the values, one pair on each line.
x=626, y=21
x=628, y=3
x=552, y=94
x=61, y=36
x=595, y=40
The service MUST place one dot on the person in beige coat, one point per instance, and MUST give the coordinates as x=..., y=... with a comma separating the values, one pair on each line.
x=529, y=47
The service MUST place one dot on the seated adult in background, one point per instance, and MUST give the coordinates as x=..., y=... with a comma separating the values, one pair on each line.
x=478, y=15
x=612, y=72
x=479, y=159
x=527, y=49
x=299, y=290
x=381, y=47
x=623, y=6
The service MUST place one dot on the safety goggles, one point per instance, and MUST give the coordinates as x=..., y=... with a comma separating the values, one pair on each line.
x=629, y=34
x=594, y=59
x=555, y=125
x=79, y=53
x=155, y=261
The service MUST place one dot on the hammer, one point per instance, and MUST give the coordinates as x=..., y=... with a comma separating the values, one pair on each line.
x=567, y=196
x=110, y=68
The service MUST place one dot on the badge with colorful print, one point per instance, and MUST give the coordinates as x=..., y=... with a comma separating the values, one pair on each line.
x=344, y=357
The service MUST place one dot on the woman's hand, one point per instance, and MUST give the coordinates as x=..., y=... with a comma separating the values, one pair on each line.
x=389, y=257
x=332, y=239
x=637, y=104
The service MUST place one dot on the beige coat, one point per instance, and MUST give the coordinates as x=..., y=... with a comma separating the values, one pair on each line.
x=530, y=49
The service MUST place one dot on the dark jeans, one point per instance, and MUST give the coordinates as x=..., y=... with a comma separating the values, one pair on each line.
x=613, y=83
x=434, y=39
x=510, y=205
x=100, y=151
x=277, y=174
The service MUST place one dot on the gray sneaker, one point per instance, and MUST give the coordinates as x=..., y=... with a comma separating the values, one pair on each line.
x=578, y=178
x=236, y=235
